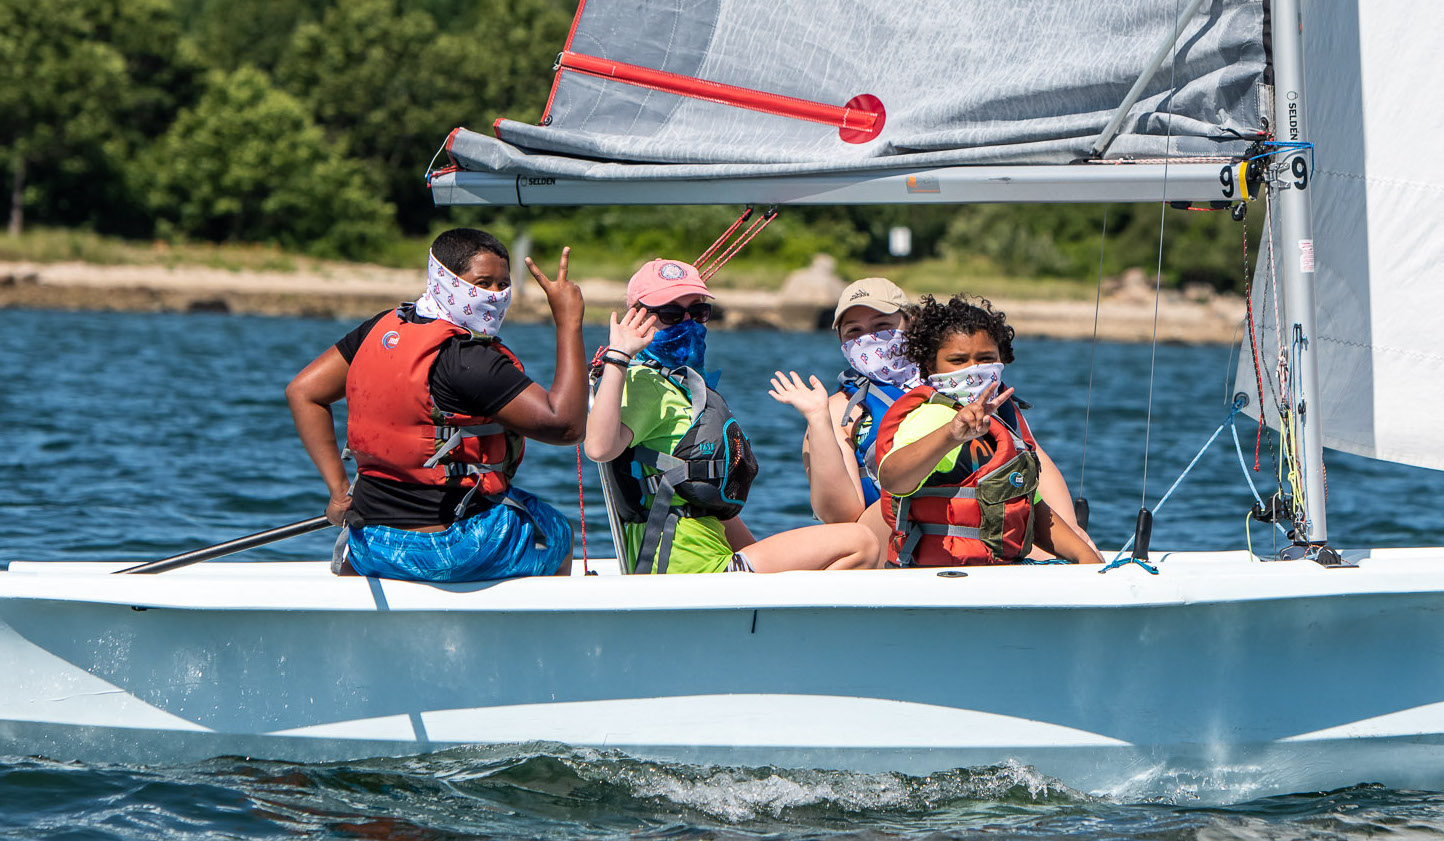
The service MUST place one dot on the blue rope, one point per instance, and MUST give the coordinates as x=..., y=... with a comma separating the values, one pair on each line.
x=1118, y=560
x=1044, y=561
x=1238, y=448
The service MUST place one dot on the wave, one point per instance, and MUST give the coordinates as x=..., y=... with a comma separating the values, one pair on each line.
x=551, y=791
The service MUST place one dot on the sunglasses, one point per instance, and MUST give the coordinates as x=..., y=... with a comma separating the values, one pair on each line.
x=672, y=314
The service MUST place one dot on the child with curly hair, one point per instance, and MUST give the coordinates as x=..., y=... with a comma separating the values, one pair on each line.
x=963, y=479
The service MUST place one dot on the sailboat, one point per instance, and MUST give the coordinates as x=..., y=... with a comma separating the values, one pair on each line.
x=1226, y=674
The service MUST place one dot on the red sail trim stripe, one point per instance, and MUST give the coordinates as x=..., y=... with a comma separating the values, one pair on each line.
x=557, y=79
x=841, y=117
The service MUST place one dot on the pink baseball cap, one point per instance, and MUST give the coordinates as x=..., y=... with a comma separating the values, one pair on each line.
x=660, y=281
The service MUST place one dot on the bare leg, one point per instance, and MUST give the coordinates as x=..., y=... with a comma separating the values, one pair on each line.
x=833, y=546
x=872, y=518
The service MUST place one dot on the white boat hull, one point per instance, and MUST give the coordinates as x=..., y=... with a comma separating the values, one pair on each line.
x=1221, y=677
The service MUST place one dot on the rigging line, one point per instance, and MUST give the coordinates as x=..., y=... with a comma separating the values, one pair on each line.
x=1176, y=482
x=1093, y=349
x=1250, y=284
x=1158, y=275
x=1238, y=448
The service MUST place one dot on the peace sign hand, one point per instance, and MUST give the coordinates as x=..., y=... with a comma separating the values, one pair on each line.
x=563, y=296
x=972, y=420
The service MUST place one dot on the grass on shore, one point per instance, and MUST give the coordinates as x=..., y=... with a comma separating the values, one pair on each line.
x=937, y=276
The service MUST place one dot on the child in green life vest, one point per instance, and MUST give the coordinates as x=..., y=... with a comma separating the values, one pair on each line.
x=644, y=416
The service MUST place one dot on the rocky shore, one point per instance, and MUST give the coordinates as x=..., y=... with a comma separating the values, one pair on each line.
x=805, y=302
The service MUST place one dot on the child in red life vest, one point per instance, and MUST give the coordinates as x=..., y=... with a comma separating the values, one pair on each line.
x=957, y=463
x=437, y=410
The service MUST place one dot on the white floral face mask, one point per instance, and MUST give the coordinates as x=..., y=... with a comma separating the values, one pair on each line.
x=966, y=385
x=466, y=305
x=879, y=356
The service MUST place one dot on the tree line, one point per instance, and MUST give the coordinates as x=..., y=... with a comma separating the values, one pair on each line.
x=309, y=123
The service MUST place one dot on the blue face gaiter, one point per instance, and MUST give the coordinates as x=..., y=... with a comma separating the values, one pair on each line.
x=684, y=343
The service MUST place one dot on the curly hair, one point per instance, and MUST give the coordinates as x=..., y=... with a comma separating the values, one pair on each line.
x=930, y=323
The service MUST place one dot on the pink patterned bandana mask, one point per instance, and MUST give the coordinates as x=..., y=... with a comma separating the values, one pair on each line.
x=879, y=356
x=966, y=385
x=466, y=305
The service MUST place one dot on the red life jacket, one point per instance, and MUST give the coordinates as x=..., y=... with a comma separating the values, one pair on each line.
x=393, y=427
x=957, y=519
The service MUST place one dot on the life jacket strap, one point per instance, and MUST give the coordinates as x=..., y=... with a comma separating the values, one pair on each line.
x=472, y=470
x=657, y=534
x=456, y=437
x=915, y=531
x=938, y=530
x=856, y=399
x=686, y=472
x=948, y=492
x=685, y=378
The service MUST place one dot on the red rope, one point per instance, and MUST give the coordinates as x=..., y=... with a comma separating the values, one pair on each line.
x=1253, y=349
x=582, y=510
x=753, y=230
x=746, y=214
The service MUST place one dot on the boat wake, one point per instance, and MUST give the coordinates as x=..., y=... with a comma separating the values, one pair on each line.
x=529, y=790
x=552, y=791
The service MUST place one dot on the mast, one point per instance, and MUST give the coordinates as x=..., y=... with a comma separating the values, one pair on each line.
x=1288, y=182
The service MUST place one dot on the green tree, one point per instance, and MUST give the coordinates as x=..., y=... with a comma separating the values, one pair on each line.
x=234, y=34
x=249, y=164
x=1059, y=240
x=393, y=81
x=83, y=85
x=58, y=86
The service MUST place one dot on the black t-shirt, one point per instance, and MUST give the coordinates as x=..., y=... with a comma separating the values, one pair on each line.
x=469, y=377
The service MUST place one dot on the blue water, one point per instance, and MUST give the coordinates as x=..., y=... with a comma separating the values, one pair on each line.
x=131, y=437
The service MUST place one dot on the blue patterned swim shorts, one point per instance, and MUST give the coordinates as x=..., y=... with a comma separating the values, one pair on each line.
x=500, y=542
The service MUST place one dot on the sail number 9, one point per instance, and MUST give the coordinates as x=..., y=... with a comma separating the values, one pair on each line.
x=1300, y=168
x=1241, y=181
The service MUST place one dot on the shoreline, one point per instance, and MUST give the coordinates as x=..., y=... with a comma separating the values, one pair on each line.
x=1125, y=312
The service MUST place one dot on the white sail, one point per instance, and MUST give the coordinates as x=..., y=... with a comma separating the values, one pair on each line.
x=1377, y=190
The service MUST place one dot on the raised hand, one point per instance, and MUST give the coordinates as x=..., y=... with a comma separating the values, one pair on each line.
x=972, y=420
x=563, y=296
x=633, y=332
x=808, y=399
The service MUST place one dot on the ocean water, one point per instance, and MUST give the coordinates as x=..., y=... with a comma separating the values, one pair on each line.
x=130, y=437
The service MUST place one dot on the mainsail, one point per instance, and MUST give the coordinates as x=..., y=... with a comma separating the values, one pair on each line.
x=1378, y=247
x=649, y=89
